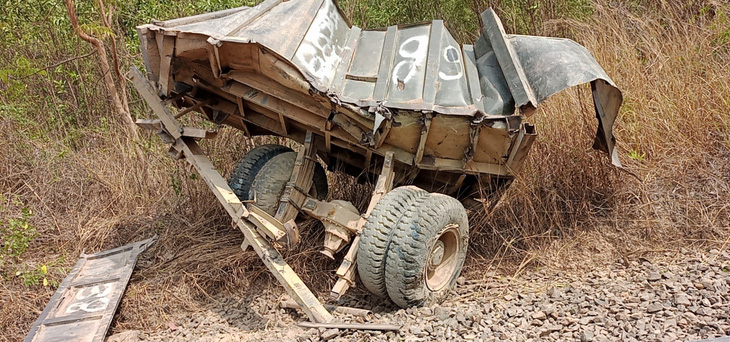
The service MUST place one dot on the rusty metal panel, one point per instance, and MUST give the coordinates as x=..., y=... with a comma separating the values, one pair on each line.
x=84, y=304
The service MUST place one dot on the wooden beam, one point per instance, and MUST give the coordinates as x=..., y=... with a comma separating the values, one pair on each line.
x=192, y=108
x=151, y=124
x=427, y=118
x=271, y=227
x=282, y=122
x=380, y=137
x=355, y=326
x=150, y=95
x=168, y=50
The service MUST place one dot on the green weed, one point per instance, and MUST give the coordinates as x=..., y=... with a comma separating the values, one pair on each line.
x=16, y=234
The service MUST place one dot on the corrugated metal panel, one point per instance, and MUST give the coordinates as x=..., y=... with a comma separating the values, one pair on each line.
x=84, y=304
x=415, y=67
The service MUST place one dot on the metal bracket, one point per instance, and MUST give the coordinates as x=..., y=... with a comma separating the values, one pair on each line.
x=300, y=182
x=346, y=271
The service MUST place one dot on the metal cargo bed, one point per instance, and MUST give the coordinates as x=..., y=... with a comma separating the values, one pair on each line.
x=451, y=114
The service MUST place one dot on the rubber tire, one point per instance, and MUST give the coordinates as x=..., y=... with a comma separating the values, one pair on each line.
x=377, y=232
x=249, y=166
x=271, y=180
x=410, y=247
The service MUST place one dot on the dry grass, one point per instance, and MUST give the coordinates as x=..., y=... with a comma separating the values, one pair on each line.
x=671, y=64
x=89, y=190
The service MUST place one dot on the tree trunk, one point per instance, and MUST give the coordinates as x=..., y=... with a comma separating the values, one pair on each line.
x=119, y=102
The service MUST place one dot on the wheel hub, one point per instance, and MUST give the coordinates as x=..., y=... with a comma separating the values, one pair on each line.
x=437, y=254
x=443, y=258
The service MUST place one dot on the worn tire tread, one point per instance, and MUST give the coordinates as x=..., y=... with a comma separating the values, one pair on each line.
x=408, y=254
x=249, y=166
x=271, y=181
x=376, y=234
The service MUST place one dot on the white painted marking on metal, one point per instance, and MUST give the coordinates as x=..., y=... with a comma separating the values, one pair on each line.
x=320, y=52
x=451, y=55
x=91, y=299
x=413, y=50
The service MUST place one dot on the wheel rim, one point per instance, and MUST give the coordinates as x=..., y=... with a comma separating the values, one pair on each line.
x=443, y=258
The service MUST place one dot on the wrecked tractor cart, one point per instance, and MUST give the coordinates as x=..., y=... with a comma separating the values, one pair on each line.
x=433, y=121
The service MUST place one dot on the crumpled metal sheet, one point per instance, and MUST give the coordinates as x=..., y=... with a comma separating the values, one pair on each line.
x=84, y=304
x=417, y=67
x=535, y=68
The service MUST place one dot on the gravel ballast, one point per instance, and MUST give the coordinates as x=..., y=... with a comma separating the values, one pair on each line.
x=682, y=300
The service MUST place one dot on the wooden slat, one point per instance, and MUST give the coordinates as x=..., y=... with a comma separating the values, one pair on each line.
x=168, y=49
x=266, y=224
x=153, y=124
x=150, y=95
x=355, y=326
x=424, y=136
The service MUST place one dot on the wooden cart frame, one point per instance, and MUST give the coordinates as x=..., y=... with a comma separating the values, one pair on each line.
x=261, y=230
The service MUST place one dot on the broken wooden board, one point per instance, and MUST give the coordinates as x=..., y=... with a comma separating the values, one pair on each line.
x=84, y=304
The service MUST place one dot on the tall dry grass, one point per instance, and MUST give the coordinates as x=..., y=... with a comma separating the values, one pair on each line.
x=671, y=61
x=90, y=190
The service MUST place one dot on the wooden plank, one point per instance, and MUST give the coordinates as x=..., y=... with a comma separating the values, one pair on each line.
x=379, y=136
x=271, y=227
x=328, y=141
x=153, y=124
x=282, y=122
x=424, y=136
x=242, y=114
x=167, y=52
x=472, y=168
x=349, y=260
x=364, y=313
x=239, y=102
x=355, y=326
x=192, y=108
x=351, y=127
x=300, y=181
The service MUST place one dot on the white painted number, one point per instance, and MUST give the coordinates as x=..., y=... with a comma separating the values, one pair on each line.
x=320, y=52
x=451, y=55
x=91, y=299
x=413, y=51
